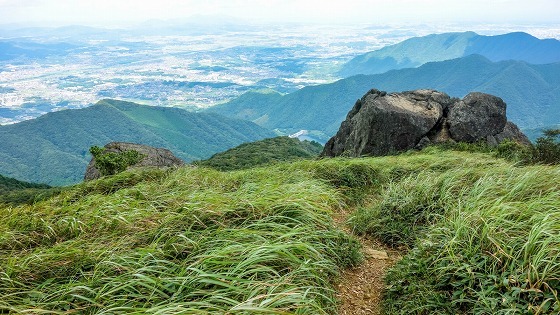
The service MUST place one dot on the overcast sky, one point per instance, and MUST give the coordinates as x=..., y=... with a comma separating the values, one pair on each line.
x=122, y=12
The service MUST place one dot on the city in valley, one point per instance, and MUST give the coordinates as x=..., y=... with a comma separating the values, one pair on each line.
x=188, y=65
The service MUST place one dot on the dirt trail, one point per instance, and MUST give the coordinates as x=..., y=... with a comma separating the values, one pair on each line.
x=360, y=288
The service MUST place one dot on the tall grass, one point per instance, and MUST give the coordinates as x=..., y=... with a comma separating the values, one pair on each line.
x=193, y=241
x=483, y=239
x=482, y=234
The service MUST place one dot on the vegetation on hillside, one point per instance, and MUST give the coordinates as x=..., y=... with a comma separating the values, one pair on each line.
x=8, y=184
x=545, y=150
x=482, y=236
x=111, y=163
x=530, y=91
x=54, y=148
x=247, y=155
x=14, y=192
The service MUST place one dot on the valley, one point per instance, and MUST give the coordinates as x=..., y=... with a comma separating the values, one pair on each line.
x=187, y=65
x=188, y=69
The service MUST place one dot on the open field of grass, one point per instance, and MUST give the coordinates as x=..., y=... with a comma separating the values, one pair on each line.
x=482, y=236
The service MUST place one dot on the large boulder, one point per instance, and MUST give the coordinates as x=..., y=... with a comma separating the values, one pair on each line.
x=150, y=157
x=370, y=126
x=476, y=117
x=381, y=123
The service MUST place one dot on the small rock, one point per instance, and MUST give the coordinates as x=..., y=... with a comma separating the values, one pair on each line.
x=424, y=142
x=154, y=157
x=376, y=254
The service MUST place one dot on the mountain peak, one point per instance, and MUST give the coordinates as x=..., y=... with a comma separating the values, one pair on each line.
x=416, y=51
x=62, y=139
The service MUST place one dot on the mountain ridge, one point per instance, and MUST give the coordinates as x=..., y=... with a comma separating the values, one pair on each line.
x=54, y=147
x=417, y=51
x=531, y=92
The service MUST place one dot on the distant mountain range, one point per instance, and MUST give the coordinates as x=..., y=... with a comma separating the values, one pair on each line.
x=27, y=49
x=53, y=148
x=532, y=93
x=439, y=47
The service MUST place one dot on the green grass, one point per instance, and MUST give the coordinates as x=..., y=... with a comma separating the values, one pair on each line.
x=267, y=151
x=482, y=236
x=192, y=241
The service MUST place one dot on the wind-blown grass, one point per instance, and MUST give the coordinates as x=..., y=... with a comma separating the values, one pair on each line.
x=484, y=239
x=192, y=241
x=482, y=234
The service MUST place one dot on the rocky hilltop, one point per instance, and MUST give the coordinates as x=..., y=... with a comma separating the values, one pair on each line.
x=382, y=123
x=155, y=157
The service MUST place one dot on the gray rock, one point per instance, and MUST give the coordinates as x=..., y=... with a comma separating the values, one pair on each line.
x=424, y=142
x=476, y=117
x=389, y=123
x=381, y=123
x=152, y=157
x=512, y=132
x=491, y=141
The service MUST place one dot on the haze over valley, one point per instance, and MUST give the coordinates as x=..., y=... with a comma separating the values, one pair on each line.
x=194, y=63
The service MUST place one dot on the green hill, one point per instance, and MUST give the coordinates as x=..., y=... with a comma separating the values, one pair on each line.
x=15, y=192
x=479, y=236
x=8, y=184
x=439, y=47
x=54, y=148
x=532, y=93
x=262, y=152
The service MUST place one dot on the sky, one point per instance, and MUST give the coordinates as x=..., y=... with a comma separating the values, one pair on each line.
x=127, y=12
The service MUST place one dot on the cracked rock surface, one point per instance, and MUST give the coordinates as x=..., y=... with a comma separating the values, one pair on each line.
x=382, y=123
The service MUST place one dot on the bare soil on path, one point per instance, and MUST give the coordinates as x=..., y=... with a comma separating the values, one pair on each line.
x=361, y=288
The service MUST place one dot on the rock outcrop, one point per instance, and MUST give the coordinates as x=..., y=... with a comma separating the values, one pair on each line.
x=153, y=157
x=382, y=123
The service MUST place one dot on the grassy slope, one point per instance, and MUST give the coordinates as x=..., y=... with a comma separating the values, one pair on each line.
x=484, y=237
x=54, y=148
x=13, y=191
x=484, y=233
x=195, y=240
x=272, y=150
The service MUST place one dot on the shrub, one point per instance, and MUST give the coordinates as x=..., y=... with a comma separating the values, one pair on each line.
x=513, y=151
x=545, y=151
x=547, y=148
x=111, y=163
